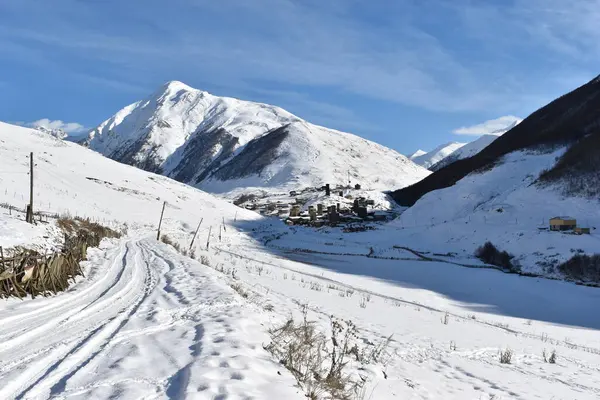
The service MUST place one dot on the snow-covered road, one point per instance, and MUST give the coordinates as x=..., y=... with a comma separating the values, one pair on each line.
x=146, y=322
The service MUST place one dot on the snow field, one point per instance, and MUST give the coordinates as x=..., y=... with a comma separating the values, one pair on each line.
x=428, y=358
x=147, y=322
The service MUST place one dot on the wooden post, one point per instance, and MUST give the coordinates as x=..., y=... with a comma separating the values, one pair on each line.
x=161, y=218
x=29, y=215
x=197, y=229
x=220, y=226
x=224, y=224
x=235, y=218
x=208, y=239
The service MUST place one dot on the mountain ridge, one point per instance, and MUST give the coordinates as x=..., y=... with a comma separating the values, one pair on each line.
x=196, y=138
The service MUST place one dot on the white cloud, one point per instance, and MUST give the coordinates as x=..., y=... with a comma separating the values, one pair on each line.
x=316, y=45
x=393, y=55
x=68, y=127
x=493, y=126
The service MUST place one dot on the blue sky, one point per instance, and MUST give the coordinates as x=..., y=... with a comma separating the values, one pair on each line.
x=405, y=73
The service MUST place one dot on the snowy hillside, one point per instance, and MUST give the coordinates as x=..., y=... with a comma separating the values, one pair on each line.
x=505, y=206
x=436, y=155
x=468, y=150
x=220, y=144
x=446, y=154
x=570, y=120
x=70, y=179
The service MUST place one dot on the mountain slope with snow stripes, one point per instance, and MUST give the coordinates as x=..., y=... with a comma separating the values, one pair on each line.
x=207, y=141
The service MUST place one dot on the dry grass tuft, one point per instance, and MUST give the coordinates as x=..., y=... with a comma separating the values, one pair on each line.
x=319, y=362
x=506, y=356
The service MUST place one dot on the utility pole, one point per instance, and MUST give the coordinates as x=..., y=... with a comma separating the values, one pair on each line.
x=29, y=215
x=160, y=222
x=197, y=229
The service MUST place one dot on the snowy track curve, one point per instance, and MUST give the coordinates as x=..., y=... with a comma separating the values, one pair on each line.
x=145, y=322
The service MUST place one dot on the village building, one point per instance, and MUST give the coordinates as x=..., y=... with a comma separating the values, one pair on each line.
x=562, y=223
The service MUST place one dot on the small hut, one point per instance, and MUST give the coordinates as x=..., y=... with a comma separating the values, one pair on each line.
x=563, y=223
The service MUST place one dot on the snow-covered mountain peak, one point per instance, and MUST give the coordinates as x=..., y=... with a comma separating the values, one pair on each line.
x=417, y=154
x=436, y=155
x=196, y=138
x=57, y=133
x=175, y=86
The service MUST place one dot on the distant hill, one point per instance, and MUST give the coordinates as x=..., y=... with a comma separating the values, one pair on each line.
x=466, y=151
x=573, y=120
x=428, y=159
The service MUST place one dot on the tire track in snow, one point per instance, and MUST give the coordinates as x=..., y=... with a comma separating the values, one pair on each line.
x=58, y=303
x=158, y=326
x=60, y=309
x=81, y=351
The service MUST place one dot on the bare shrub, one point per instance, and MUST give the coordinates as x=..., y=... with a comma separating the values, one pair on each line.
x=205, y=260
x=167, y=240
x=506, y=356
x=378, y=353
x=240, y=289
x=78, y=226
x=551, y=358
x=446, y=319
x=316, y=361
x=582, y=267
x=490, y=254
x=362, y=302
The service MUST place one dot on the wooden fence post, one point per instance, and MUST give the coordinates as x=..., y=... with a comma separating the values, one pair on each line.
x=208, y=239
x=197, y=229
x=29, y=217
x=160, y=222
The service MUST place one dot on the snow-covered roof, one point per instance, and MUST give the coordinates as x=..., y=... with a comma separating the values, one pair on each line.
x=564, y=218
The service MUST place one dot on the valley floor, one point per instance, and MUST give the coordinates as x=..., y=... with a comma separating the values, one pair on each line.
x=147, y=322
